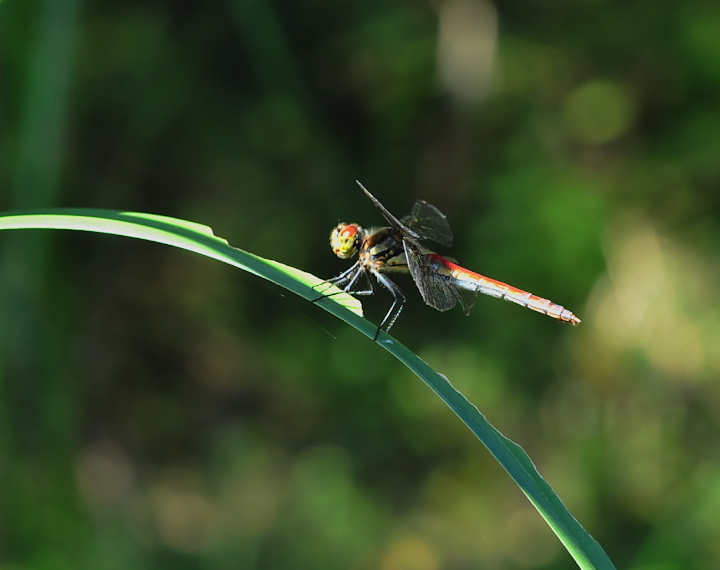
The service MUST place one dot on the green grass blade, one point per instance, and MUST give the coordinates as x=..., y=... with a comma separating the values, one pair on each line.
x=582, y=547
x=190, y=236
x=198, y=238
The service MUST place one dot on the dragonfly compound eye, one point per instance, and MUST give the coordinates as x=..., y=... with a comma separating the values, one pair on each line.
x=344, y=240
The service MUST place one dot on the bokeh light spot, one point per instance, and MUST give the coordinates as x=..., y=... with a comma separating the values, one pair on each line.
x=410, y=553
x=598, y=112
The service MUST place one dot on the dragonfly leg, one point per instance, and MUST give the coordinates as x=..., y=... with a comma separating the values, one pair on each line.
x=347, y=275
x=370, y=285
x=343, y=277
x=347, y=280
x=397, y=306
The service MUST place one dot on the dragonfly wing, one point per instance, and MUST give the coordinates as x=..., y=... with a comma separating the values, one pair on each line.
x=435, y=290
x=394, y=222
x=429, y=223
x=466, y=298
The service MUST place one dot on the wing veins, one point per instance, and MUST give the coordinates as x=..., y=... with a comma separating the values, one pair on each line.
x=429, y=223
x=436, y=291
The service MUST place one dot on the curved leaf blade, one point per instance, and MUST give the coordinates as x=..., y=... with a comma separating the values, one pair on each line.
x=198, y=238
x=185, y=235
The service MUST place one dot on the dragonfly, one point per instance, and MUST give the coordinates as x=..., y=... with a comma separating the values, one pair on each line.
x=442, y=283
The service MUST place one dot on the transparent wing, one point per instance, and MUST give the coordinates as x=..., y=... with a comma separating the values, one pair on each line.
x=424, y=222
x=436, y=291
x=466, y=298
x=394, y=222
x=429, y=223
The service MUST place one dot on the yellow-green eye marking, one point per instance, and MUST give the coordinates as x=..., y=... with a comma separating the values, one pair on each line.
x=344, y=240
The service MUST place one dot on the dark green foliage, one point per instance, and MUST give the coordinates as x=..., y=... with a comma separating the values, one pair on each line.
x=160, y=410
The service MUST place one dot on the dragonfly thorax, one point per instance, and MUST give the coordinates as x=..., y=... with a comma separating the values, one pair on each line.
x=345, y=240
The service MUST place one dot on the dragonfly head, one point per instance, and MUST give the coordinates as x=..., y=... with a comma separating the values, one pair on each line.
x=344, y=240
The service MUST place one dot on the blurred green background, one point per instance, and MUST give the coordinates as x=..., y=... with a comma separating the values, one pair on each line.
x=161, y=410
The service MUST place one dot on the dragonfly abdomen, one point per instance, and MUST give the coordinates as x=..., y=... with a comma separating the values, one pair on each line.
x=471, y=281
